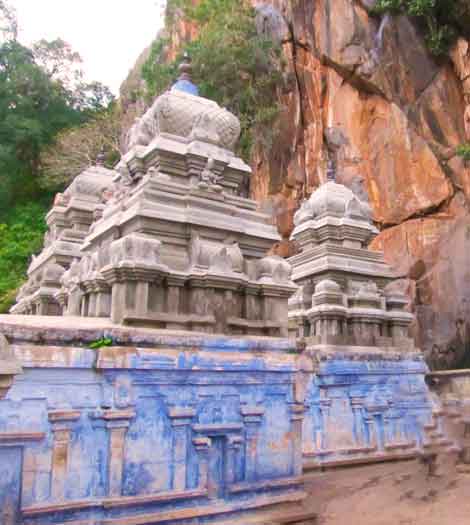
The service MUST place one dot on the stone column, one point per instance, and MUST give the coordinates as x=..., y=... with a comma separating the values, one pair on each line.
x=103, y=303
x=180, y=421
x=466, y=442
x=203, y=446
x=252, y=303
x=252, y=418
x=117, y=423
x=371, y=430
x=297, y=417
x=118, y=302
x=234, y=444
x=357, y=404
x=92, y=303
x=62, y=422
x=325, y=405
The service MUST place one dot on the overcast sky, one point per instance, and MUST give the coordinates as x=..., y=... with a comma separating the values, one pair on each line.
x=108, y=34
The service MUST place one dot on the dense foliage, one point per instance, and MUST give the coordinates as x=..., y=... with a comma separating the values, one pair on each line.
x=442, y=20
x=42, y=94
x=20, y=236
x=233, y=64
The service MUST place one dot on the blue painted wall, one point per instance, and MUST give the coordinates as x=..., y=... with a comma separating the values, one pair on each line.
x=366, y=408
x=237, y=401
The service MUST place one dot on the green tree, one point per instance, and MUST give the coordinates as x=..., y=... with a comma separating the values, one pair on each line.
x=20, y=236
x=42, y=93
x=33, y=108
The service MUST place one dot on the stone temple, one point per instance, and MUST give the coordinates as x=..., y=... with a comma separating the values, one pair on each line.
x=366, y=397
x=160, y=367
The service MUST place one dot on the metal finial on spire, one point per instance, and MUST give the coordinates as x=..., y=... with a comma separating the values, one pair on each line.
x=100, y=158
x=331, y=171
x=185, y=68
x=184, y=82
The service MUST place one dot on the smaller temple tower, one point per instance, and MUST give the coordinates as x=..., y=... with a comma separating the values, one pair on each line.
x=347, y=294
x=68, y=223
x=366, y=397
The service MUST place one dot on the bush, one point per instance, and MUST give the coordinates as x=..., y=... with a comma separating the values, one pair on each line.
x=19, y=237
x=464, y=151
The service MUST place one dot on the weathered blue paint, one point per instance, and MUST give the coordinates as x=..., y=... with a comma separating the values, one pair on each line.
x=175, y=410
x=366, y=408
x=118, y=432
x=186, y=86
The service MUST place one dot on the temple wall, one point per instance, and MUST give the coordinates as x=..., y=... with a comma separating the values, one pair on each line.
x=366, y=410
x=172, y=426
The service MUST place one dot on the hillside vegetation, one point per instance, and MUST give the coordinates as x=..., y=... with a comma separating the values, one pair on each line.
x=42, y=96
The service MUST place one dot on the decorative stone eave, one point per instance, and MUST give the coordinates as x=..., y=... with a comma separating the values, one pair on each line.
x=128, y=271
x=59, y=252
x=9, y=366
x=397, y=317
x=332, y=228
x=177, y=203
x=366, y=315
x=327, y=310
x=95, y=284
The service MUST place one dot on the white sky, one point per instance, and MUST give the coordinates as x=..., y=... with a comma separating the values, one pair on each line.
x=108, y=34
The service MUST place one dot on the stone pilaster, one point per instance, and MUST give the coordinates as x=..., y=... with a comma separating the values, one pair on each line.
x=117, y=423
x=357, y=404
x=252, y=418
x=62, y=422
x=203, y=446
x=297, y=411
x=371, y=430
x=234, y=444
x=325, y=405
x=180, y=421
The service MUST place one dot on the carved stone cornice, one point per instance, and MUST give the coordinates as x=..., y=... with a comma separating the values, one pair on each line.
x=9, y=366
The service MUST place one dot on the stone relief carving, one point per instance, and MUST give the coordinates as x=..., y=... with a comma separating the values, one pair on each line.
x=209, y=178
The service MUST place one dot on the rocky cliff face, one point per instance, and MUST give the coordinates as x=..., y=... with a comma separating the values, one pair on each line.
x=365, y=91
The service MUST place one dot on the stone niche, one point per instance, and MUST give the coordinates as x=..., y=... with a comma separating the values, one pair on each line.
x=68, y=223
x=179, y=245
x=365, y=392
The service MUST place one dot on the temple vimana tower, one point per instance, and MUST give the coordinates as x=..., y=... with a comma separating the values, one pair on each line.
x=159, y=366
